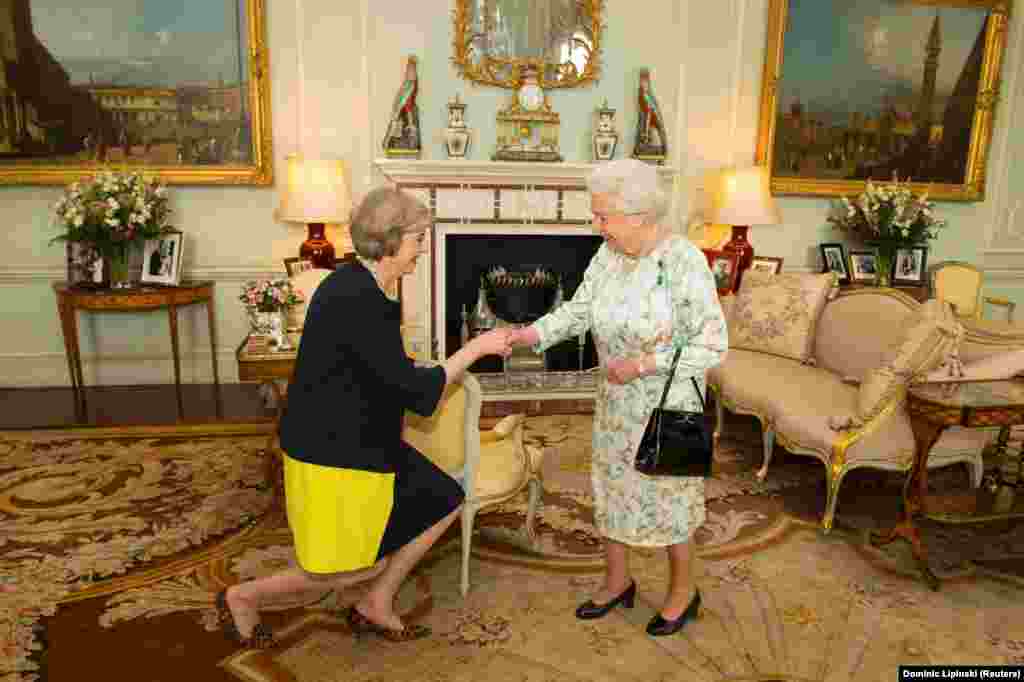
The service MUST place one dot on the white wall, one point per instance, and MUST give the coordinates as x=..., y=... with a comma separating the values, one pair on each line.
x=332, y=97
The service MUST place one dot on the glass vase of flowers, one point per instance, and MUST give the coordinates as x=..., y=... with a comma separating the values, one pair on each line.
x=887, y=217
x=113, y=213
x=266, y=302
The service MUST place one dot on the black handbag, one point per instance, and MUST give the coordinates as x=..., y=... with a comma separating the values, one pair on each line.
x=677, y=443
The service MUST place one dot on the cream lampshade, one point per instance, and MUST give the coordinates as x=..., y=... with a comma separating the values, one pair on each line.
x=315, y=192
x=743, y=199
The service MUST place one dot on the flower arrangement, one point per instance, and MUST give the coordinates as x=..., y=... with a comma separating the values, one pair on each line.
x=887, y=215
x=112, y=212
x=270, y=295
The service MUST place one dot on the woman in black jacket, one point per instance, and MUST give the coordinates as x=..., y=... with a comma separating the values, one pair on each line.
x=362, y=504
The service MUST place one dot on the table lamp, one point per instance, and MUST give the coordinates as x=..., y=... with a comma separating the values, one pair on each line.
x=744, y=199
x=315, y=192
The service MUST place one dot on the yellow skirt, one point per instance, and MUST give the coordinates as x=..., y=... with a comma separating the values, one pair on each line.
x=337, y=516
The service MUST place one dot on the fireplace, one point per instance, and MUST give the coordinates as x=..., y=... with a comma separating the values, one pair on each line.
x=469, y=254
x=514, y=215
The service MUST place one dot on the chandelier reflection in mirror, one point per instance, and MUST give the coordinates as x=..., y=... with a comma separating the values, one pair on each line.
x=493, y=40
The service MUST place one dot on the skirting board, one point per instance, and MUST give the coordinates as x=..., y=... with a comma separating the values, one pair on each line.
x=51, y=369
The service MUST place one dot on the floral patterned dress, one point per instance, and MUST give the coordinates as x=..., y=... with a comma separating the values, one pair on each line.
x=644, y=305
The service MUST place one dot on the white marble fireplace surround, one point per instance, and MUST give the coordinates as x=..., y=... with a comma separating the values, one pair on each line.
x=493, y=198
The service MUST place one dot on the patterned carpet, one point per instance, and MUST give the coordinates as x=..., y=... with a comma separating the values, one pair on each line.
x=782, y=600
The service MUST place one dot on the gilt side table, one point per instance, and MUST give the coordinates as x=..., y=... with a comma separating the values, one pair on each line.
x=932, y=408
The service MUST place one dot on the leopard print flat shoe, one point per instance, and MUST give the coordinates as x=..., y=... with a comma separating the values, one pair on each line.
x=360, y=625
x=262, y=636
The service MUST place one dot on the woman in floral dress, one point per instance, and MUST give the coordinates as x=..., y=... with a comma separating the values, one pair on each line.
x=646, y=291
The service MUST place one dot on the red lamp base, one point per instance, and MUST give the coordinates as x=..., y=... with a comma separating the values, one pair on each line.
x=316, y=248
x=739, y=245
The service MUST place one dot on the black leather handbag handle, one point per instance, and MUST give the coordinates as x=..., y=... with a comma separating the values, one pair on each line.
x=672, y=375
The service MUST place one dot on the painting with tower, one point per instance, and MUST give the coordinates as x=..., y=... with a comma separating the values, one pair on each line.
x=879, y=90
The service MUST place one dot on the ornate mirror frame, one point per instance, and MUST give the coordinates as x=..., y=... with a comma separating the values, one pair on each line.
x=504, y=72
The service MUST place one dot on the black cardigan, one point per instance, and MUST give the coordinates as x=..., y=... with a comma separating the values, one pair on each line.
x=353, y=380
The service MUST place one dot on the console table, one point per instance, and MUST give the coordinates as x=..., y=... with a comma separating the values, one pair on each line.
x=932, y=408
x=71, y=299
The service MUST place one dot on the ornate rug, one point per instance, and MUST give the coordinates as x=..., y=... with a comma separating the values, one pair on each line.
x=783, y=601
x=79, y=508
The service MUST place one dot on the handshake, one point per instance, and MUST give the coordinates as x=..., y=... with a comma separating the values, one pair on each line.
x=501, y=341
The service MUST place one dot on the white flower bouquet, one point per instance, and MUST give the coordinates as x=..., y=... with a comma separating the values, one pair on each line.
x=887, y=215
x=113, y=211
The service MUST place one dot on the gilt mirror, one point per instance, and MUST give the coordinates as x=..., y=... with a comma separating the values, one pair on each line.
x=494, y=39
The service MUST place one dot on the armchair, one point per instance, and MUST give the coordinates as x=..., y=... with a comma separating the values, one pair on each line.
x=492, y=466
x=960, y=284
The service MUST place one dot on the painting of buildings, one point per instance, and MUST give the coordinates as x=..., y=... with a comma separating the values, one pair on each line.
x=879, y=90
x=101, y=83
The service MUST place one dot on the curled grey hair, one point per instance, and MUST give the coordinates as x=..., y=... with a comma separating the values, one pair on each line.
x=383, y=216
x=633, y=184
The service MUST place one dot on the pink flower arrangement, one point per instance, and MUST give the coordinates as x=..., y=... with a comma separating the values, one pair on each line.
x=270, y=294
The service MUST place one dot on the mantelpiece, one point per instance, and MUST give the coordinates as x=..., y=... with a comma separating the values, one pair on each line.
x=492, y=199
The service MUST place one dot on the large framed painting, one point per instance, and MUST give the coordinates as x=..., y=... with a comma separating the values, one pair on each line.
x=178, y=89
x=880, y=89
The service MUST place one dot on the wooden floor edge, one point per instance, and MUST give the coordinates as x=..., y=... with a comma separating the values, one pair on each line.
x=150, y=431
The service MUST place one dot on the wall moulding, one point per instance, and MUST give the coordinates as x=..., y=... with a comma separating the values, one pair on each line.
x=489, y=173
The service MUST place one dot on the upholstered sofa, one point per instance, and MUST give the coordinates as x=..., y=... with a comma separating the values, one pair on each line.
x=826, y=374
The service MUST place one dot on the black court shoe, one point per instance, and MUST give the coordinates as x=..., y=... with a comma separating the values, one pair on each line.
x=659, y=627
x=588, y=610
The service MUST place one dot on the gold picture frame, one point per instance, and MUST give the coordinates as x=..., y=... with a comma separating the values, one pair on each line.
x=945, y=138
x=475, y=64
x=157, y=117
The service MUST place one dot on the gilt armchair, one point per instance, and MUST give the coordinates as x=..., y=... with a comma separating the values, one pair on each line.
x=960, y=284
x=492, y=466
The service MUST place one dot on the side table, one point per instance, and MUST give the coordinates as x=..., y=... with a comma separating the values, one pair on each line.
x=268, y=368
x=932, y=408
x=71, y=299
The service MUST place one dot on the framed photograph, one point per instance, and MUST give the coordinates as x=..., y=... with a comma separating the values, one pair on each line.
x=294, y=266
x=725, y=269
x=84, y=265
x=903, y=89
x=182, y=94
x=768, y=264
x=863, y=266
x=161, y=259
x=909, y=266
x=833, y=256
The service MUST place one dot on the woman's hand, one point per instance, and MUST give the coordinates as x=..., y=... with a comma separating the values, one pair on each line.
x=624, y=370
x=494, y=342
x=523, y=336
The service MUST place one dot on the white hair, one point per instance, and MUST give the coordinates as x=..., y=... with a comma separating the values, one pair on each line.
x=633, y=184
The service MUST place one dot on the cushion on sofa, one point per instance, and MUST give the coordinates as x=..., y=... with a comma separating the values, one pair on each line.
x=777, y=313
x=932, y=337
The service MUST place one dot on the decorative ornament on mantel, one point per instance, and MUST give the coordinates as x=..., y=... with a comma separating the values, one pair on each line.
x=402, y=138
x=651, y=142
x=457, y=135
x=605, y=137
x=315, y=192
x=528, y=126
